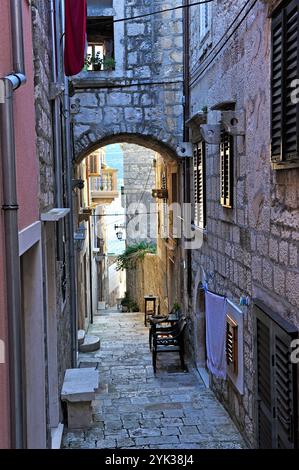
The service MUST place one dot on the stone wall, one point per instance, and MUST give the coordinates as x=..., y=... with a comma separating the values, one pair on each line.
x=139, y=180
x=147, y=279
x=251, y=249
x=141, y=99
x=45, y=138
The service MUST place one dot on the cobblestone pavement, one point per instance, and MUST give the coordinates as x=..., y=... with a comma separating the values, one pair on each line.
x=135, y=409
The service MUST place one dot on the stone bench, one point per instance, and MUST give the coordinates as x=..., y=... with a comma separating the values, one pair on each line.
x=78, y=391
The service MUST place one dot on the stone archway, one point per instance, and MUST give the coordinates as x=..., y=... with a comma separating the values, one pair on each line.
x=148, y=116
x=86, y=145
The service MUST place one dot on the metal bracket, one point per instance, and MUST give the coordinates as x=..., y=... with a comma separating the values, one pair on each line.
x=184, y=150
x=211, y=133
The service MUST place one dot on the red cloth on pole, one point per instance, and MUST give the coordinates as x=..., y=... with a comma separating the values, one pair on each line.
x=75, y=36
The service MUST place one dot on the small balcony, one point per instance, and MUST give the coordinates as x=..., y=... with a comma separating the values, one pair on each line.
x=103, y=188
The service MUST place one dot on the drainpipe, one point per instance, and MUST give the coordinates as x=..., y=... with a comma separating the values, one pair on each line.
x=10, y=211
x=187, y=188
x=69, y=184
x=56, y=111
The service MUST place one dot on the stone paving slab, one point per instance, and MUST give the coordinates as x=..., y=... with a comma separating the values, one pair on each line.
x=134, y=409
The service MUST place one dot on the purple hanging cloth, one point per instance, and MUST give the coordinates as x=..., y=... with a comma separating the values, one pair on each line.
x=216, y=308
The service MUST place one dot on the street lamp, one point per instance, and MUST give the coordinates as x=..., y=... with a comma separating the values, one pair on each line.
x=119, y=232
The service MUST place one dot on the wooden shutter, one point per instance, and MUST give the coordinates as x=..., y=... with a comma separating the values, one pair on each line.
x=277, y=411
x=165, y=220
x=199, y=185
x=93, y=164
x=264, y=385
x=285, y=114
x=226, y=170
x=283, y=389
x=232, y=344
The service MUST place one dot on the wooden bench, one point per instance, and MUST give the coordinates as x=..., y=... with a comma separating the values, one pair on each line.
x=78, y=391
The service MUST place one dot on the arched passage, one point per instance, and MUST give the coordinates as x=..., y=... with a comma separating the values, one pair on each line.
x=160, y=276
x=88, y=145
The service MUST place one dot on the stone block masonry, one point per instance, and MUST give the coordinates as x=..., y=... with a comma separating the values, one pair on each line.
x=45, y=138
x=143, y=98
x=251, y=249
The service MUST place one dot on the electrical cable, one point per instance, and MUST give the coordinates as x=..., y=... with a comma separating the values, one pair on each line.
x=201, y=72
x=157, y=12
x=125, y=85
x=119, y=215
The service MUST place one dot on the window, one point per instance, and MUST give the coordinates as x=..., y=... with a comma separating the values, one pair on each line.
x=204, y=20
x=277, y=379
x=285, y=113
x=199, y=184
x=93, y=165
x=100, y=37
x=165, y=220
x=232, y=345
x=226, y=170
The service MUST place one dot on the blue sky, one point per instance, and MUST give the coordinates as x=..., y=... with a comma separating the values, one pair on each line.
x=114, y=159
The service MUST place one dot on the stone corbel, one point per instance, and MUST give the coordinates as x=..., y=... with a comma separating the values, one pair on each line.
x=232, y=120
x=184, y=150
x=211, y=133
x=194, y=124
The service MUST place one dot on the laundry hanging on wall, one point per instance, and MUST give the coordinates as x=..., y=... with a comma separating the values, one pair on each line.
x=216, y=310
x=75, y=36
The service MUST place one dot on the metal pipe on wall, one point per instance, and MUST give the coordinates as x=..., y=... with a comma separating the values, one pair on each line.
x=10, y=210
x=69, y=185
x=56, y=112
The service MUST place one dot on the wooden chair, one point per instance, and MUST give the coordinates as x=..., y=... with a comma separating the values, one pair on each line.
x=161, y=322
x=169, y=339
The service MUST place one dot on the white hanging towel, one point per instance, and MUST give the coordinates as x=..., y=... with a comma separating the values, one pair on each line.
x=216, y=308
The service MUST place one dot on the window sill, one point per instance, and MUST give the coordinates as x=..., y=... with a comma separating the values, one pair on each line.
x=284, y=165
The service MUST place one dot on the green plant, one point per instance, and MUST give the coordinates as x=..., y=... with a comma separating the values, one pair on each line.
x=109, y=63
x=176, y=307
x=129, y=304
x=132, y=254
x=98, y=63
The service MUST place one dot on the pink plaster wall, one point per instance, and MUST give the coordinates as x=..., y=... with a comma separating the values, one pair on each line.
x=27, y=164
x=27, y=177
x=5, y=67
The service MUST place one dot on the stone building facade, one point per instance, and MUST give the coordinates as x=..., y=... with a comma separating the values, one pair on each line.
x=140, y=101
x=251, y=248
x=139, y=180
x=58, y=317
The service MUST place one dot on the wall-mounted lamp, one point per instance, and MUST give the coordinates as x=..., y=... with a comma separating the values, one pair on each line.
x=78, y=183
x=119, y=231
x=160, y=193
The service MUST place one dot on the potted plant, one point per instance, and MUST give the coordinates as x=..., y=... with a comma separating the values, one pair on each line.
x=108, y=63
x=176, y=308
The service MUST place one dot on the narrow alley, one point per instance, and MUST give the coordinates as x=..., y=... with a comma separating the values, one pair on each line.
x=135, y=409
x=149, y=175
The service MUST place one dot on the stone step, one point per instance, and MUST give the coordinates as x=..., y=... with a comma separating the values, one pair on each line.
x=91, y=343
x=81, y=337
